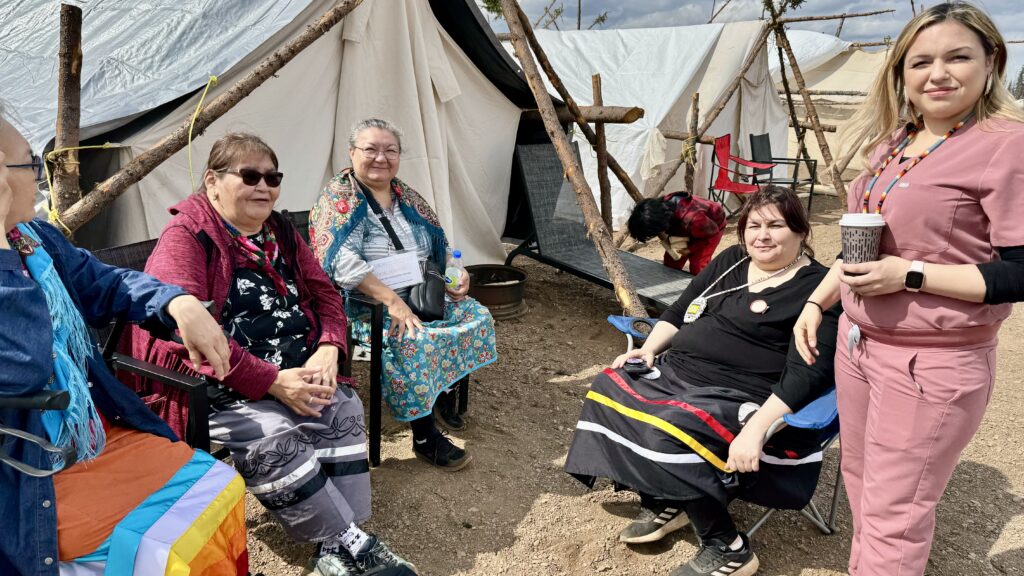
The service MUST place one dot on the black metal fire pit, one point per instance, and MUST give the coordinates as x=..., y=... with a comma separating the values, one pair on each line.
x=499, y=288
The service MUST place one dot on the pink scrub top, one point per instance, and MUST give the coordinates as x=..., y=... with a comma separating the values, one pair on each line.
x=955, y=207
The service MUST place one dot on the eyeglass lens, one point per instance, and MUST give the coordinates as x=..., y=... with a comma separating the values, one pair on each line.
x=372, y=153
x=252, y=177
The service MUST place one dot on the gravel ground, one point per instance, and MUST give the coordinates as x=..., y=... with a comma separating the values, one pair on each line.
x=513, y=511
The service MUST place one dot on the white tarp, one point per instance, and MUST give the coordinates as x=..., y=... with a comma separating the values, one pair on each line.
x=659, y=69
x=812, y=49
x=388, y=59
x=137, y=55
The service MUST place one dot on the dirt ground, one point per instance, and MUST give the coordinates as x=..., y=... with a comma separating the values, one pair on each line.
x=514, y=511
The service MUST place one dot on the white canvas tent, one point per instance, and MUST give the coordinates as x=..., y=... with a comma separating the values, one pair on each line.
x=390, y=59
x=827, y=64
x=659, y=69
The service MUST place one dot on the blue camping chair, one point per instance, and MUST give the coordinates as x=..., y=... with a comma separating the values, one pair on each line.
x=820, y=414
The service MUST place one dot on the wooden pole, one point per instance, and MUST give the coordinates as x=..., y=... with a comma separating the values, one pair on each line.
x=602, y=158
x=684, y=136
x=783, y=92
x=870, y=44
x=834, y=17
x=570, y=103
x=105, y=192
x=801, y=130
x=603, y=114
x=715, y=15
x=668, y=170
x=622, y=285
x=66, y=188
x=812, y=114
x=690, y=146
x=807, y=125
x=839, y=29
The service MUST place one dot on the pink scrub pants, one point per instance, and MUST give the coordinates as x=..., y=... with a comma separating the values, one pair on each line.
x=905, y=412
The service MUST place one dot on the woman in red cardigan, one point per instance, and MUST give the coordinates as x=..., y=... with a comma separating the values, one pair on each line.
x=295, y=435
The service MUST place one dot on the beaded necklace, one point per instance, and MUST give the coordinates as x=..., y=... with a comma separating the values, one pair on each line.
x=911, y=133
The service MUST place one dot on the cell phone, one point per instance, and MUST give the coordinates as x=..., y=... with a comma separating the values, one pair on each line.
x=636, y=366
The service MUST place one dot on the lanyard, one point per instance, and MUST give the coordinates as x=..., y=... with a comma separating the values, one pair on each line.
x=911, y=133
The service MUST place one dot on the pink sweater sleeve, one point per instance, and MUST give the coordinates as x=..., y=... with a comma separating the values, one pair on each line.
x=180, y=259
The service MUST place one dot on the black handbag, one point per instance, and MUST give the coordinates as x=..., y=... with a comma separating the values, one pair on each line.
x=426, y=299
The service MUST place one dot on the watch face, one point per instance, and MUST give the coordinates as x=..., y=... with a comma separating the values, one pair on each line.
x=914, y=280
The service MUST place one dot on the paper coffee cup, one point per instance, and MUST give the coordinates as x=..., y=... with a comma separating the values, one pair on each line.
x=861, y=235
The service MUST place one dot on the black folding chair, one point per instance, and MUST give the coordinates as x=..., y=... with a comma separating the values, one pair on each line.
x=761, y=151
x=46, y=400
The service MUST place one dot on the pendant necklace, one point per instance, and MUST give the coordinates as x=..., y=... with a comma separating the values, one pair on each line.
x=700, y=303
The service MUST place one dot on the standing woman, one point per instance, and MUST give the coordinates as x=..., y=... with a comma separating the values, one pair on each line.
x=915, y=363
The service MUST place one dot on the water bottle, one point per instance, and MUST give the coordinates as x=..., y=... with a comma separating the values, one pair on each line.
x=453, y=273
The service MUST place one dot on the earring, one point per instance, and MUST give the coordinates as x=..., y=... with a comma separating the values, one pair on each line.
x=988, y=84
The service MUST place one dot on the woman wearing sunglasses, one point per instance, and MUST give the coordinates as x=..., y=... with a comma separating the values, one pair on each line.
x=296, y=436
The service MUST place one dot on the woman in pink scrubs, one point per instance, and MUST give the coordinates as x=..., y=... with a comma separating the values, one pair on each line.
x=915, y=362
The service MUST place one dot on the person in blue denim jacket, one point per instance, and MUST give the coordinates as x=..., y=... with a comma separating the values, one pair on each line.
x=49, y=291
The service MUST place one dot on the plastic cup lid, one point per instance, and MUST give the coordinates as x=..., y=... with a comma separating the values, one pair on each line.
x=457, y=253
x=861, y=219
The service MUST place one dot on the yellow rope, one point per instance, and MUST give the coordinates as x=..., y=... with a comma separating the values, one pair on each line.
x=211, y=82
x=689, y=152
x=52, y=214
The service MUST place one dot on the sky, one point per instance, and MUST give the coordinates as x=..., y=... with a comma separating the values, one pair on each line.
x=657, y=13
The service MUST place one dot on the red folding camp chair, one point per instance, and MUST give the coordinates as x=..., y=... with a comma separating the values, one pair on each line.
x=722, y=182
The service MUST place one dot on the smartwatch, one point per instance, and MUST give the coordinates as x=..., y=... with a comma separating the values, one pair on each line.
x=915, y=277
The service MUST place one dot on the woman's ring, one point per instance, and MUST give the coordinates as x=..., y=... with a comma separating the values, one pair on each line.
x=310, y=401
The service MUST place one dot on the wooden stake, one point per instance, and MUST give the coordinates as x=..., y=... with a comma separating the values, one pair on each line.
x=668, y=170
x=602, y=158
x=622, y=285
x=715, y=15
x=834, y=17
x=692, y=141
x=839, y=29
x=66, y=188
x=105, y=192
x=603, y=114
x=581, y=121
x=812, y=114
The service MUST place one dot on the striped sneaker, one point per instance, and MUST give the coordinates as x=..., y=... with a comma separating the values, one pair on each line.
x=653, y=525
x=717, y=559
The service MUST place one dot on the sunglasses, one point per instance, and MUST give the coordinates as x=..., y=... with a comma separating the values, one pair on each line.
x=252, y=177
x=36, y=164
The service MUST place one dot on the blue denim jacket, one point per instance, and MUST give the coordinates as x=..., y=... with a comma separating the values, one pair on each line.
x=28, y=514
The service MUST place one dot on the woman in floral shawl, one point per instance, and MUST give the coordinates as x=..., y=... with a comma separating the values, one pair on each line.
x=422, y=360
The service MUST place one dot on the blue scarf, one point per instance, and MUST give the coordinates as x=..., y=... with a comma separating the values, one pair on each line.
x=80, y=425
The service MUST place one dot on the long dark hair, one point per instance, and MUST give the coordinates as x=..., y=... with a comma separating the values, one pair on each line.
x=787, y=203
x=649, y=218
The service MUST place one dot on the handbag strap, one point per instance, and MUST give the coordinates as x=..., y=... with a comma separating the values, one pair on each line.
x=384, y=220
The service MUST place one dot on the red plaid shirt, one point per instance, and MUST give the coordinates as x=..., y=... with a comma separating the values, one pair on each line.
x=695, y=217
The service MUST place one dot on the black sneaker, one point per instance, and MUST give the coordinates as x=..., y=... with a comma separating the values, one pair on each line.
x=715, y=558
x=375, y=557
x=440, y=452
x=446, y=411
x=337, y=563
x=653, y=525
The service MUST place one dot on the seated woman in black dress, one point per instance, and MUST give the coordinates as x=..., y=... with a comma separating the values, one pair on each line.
x=688, y=434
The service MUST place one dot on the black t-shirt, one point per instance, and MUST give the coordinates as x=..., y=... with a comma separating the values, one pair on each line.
x=732, y=346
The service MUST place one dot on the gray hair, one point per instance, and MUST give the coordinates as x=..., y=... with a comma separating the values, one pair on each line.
x=358, y=127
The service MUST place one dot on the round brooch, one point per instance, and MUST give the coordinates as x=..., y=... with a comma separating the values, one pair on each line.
x=758, y=306
x=342, y=206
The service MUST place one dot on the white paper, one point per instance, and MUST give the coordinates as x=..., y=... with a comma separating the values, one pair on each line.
x=399, y=270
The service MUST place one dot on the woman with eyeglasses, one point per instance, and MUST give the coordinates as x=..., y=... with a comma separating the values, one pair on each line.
x=365, y=215
x=296, y=436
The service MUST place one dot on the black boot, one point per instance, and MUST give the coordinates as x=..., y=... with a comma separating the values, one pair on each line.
x=446, y=410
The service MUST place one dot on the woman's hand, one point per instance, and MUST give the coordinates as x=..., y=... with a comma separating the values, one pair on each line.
x=805, y=333
x=201, y=335
x=460, y=291
x=884, y=276
x=647, y=356
x=402, y=318
x=745, y=451
x=325, y=360
x=301, y=390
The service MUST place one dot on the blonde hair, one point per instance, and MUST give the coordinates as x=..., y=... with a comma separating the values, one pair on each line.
x=884, y=111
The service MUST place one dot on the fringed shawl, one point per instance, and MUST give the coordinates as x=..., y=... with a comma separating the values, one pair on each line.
x=342, y=205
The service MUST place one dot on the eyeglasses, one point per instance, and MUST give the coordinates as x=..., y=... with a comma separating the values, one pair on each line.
x=36, y=164
x=373, y=153
x=252, y=177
